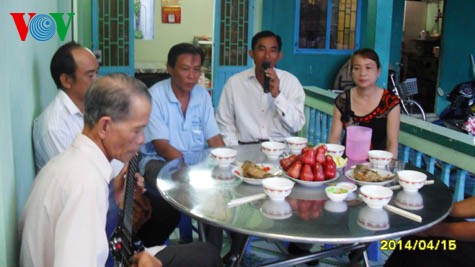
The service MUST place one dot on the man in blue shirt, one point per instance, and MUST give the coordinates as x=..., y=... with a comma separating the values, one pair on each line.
x=182, y=121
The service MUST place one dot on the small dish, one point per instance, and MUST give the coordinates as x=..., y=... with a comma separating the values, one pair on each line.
x=351, y=187
x=336, y=194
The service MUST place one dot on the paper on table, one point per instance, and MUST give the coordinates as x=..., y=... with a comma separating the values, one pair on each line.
x=243, y=200
x=398, y=186
x=404, y=213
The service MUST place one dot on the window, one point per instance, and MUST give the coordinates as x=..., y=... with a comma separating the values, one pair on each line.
x=327, y=26
x=234, y=24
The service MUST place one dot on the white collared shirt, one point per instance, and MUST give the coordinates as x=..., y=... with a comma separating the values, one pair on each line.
x=64, y=218
x=245, y=113
x=55, y=128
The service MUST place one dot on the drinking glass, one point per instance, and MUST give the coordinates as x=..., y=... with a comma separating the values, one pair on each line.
x=358, y=142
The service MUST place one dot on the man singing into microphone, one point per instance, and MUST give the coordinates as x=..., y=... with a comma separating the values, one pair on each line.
x=263, y=102
x=260, y=104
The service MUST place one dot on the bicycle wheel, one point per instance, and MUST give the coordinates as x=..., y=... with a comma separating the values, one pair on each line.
x=413, y=109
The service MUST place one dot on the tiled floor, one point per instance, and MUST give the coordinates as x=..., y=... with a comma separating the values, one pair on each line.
x=266, y=251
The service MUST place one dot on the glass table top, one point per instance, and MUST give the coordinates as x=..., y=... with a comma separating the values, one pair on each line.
x=202, y=190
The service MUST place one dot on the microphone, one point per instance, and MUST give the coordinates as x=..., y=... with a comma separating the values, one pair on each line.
x=266, y=65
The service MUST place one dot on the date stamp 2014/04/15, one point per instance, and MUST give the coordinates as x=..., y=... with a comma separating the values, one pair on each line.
x=418, y=244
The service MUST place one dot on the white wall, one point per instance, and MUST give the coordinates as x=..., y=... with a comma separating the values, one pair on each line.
x=414, y=19
x=197, y=18
x=26, y=89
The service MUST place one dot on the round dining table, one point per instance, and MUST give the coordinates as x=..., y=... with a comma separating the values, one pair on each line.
x=200, y=188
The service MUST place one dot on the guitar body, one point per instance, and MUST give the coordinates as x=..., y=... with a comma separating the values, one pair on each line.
x=122, y=244
x=123, y=247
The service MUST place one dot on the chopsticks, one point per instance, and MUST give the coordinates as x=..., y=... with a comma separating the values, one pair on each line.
x=238, y=201
x=396, y=187
x=404, y=213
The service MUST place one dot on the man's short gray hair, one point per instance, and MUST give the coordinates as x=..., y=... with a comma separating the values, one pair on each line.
x=110, y=96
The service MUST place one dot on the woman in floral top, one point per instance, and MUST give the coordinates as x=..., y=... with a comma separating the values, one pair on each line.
x=367, y=105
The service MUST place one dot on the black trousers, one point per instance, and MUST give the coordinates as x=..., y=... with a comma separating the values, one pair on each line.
x=165, y=218
x=197, y=254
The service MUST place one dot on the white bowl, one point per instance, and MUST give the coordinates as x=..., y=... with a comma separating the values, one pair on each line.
x=335, y=149
x=409, y=200
x=351, y=187
x=224, y=156
x=336, y=193
x=373, y=219
x=333, y=206
x=411, y=181
x=276, y=210
x=277, y=188
x=273, y=149
x=375, y=196
x=296, y=143
x=379, y=158
x=222, y=174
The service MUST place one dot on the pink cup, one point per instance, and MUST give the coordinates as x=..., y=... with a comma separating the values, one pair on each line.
x=358, y=142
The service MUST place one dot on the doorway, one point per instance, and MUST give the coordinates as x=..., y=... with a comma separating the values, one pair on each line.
x=421, y=48
x=233, y=24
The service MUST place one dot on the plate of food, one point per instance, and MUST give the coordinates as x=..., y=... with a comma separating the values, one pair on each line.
x=362, y=174
x=312, y=183
x=253, y=173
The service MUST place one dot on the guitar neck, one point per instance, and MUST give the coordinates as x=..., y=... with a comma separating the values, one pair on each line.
x=129, y=193
x=121, y=242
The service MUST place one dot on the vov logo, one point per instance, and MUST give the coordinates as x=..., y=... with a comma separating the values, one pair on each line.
x=42, y=26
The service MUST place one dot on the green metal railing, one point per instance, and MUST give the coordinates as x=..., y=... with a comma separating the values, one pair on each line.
x=448, y=154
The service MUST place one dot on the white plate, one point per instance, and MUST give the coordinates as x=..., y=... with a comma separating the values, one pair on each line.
x=349, y=174
x=312, y=183
x=237, y=171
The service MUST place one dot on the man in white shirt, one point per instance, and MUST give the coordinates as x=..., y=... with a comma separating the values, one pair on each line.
x=259, y=104
x=64, y=218
x=246, y=113
x=73, y=69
